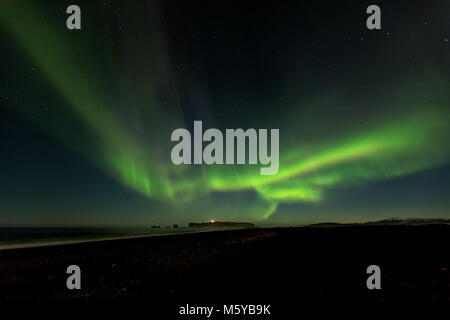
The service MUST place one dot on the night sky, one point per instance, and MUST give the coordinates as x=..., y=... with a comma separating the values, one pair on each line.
x=86, y=115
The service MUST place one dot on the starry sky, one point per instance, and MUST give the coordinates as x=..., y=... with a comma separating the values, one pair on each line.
x=86, y=115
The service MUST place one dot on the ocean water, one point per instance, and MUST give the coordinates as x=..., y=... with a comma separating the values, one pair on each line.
x=11, y=238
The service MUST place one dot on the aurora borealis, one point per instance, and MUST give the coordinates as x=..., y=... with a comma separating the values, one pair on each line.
x=87, y=114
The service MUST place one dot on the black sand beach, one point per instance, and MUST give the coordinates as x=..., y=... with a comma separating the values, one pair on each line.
x=283, y=267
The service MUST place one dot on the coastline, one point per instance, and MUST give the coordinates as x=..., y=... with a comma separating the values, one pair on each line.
x=278, y=266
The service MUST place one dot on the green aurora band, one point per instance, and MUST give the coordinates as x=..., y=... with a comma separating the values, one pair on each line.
x=137, y=152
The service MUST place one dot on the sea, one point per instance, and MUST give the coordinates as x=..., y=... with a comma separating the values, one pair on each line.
x=14, y=238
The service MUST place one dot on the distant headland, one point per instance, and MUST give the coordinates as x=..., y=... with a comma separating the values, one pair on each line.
x=221, y=224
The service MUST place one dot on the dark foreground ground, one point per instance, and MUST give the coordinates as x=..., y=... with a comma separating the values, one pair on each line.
x=286, y=268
